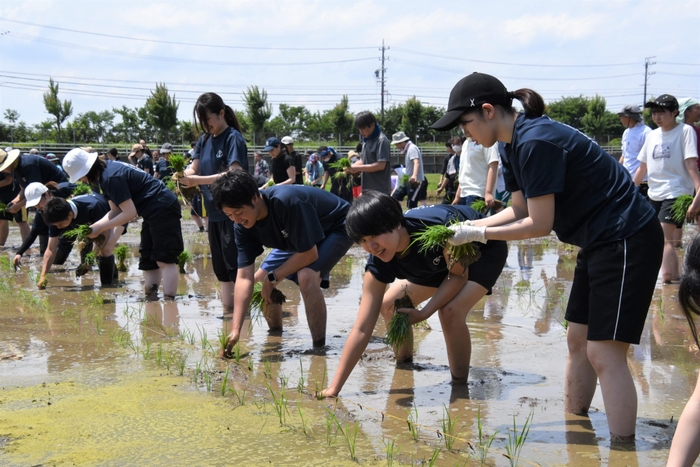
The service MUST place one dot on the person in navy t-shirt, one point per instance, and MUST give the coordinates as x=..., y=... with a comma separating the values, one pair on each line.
x=563, y=181
x=377, y=223
x=221, y=148
x=65, y=214
x=131, y=193
x=306, y=229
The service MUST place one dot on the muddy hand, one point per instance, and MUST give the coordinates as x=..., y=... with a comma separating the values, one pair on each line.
x=326, y=393
x=17, y=262
x=414, y=315
x=228, y=351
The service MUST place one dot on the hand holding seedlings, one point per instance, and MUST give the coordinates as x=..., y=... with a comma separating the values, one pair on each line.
x=414, y=315
x=440, y=236
x=399, y=328
x=466, y=232
x=680, y=209
x=231, y=341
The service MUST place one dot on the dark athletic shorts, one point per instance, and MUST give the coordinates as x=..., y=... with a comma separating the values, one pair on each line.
x=663, y=211
x=224, y=253
x=19, y=216
x=614, y=283
x=330, y=250
x=161, y=238
x=486, y=270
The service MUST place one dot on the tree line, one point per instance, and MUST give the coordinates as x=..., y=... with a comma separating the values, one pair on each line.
x=157, y=120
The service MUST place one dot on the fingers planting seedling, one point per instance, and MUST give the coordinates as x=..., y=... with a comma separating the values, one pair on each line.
x=399, y=328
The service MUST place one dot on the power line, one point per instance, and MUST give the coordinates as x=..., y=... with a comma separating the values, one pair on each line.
x=193, y=44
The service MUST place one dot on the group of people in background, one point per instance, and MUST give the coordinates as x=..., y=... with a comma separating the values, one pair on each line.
x=534, y=176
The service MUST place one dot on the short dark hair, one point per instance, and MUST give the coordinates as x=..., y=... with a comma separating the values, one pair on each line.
x=373, y=213
x=365, y=119
x=113, y=152
x=56, y=210
x=234, y=189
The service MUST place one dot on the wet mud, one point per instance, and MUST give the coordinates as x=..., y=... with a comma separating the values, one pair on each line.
x=100, y=376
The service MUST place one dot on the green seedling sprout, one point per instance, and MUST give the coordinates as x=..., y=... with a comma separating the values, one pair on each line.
x=257, y=300
x=3, y=208
x=86, y=266
x=121, y=252
x=182, y=259
x=43, y=283
x=435, y=237
x=399, y=330
x=170, y=185
x=412, y=422
x=516, y=440
x=448, y=428
x=480, y=206
x=340, y=165
x=484, y=441
x=178, y=163
x=81, y=189
x=405, y=179
x=392, y=451
x=679, y=208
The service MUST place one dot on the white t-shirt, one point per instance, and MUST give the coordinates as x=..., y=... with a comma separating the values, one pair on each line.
x=664, y=153
x=632, y=142
x=474, y=167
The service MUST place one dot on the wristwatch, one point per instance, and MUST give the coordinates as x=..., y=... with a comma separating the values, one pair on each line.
x=271, y=276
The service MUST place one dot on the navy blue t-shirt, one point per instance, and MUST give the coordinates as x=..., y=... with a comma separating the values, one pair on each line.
x=91, y=208
x=38, y=169
x=298, y=218
x=145, y=163
x=8, y=192
x=163, y=168
x=121, y=182
x=595, y=199
x=428, y=268
x=216, y=154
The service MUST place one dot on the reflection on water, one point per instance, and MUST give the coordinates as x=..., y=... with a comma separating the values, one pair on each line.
x=76, y=331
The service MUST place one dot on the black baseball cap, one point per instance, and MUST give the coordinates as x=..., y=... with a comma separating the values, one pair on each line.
x=665, y=101
x=472, y=91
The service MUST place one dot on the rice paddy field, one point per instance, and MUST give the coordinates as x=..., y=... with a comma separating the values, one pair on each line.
x=94, y=376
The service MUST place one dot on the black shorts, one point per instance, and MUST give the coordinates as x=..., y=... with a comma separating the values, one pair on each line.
x=614, y=283
x=161, y=238
x=197, y=207
x=663, y=212
x=486, y=270
x=19, y=216
x=224, y=253
x=417, y=193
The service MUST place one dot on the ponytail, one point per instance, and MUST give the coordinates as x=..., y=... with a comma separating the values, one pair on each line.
x=689, y=289
x=231, y=119
x=533, y=104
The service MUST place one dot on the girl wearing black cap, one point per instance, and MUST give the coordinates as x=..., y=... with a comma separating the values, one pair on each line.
x=220, y=148
x=563, y=181
x=669, y=159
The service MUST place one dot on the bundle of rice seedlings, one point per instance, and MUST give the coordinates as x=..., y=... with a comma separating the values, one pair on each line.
x=405, y=179
x=435, y=236
x=680, y=206
x=178, y=163
x=399, y=329
x=480, y=205
x=82, y=189
x=121, y=252
x=43, y=283
x=3, y=207
x=170, y=184
x=257, y=300
x=269, y=183
x=183, y=258
x=341, y=176
x=80, y=235
x=86, y=266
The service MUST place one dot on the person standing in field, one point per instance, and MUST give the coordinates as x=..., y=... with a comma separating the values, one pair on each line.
x=417, y=187
x=632, y=141
x=561, y=180
x=375, y=165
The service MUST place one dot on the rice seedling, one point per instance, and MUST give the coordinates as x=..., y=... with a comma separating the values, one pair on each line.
x=204, y=341
x=81, y=189
x=223, y=343
x=412, y=422
x=239, y=395
x=284, y=380
x=146, y=349
x=121, y=252
x=484, y=443
x=44, y=282
x=5, y=264
x=331, y=428
x=87, y=265
x=237, y=352
x=516, y=440
x=197, y=372
x=319, y=390
x=267, y=368
x=182, y=259
x=187, y=336
x=399, y=330
x=257, y=300
x=159, y=355
x=170, y=185
x=434, y=457
x=435, y=237
x=405, y=179
x=302, y=381
x=350, y=436
x=178, y=163
x=181, y=364
x=341, y=176
x=224, y=383
x=392, y=451
x=208, y=381
x=80, y=234
x=250, y=364
x=304, y=422
x=680, y=206
x=3, y=207
x=279, y=404
x=448, y=428
x=479, y=205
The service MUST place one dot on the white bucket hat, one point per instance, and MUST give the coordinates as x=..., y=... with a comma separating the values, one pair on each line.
x=78, y=163
x=33, y=193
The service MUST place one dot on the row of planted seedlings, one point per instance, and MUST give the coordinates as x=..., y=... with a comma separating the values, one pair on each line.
x=197, y=355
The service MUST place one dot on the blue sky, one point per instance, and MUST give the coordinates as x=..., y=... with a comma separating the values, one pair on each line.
x=109, y=54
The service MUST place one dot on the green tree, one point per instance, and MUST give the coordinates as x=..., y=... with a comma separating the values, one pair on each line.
x=341, y=120
x=412, y=116
x=60, y=110
x=161, y=112
x=186, y=132
x=292, y=120
x=598, y=121
x=393, y=118
x=569, y=110
x=258, y=110
x=11, y=116
x=128, y=129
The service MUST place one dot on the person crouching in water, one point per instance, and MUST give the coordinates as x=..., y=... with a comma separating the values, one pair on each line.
x=377, y=223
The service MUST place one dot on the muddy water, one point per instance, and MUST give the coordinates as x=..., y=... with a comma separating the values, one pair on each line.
x=98, y=376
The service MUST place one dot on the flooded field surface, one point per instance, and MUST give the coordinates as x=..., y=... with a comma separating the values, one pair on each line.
x=99, y=376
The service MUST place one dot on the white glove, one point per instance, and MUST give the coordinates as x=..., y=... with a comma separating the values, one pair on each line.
x=465, y=233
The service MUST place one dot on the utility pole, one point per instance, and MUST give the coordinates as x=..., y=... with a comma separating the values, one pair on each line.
x=647, y=64
x=379, y=74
